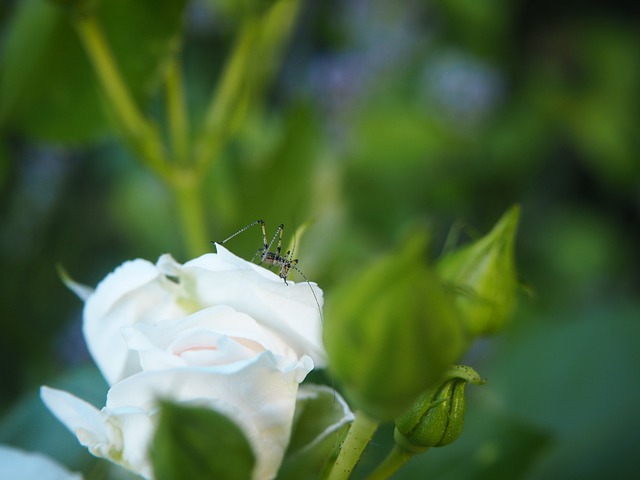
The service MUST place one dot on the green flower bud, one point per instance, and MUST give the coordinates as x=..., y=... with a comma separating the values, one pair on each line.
x=437, y=418
x=483, y=276
x=392, y=332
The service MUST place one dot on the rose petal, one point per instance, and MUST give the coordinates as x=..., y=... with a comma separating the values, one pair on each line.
x=258, y=395
x=134, y=292
x=80, y=417
x=292, y=311
x=212, y=336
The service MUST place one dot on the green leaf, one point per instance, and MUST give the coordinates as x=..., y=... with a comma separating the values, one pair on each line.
x=48, y=89
x=321, y=421
x=199, y=443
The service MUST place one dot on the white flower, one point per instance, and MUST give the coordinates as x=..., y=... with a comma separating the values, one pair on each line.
x=217, y=331
x=257, y=395
x=211, y=337
x=16, y=464
x=139, y=292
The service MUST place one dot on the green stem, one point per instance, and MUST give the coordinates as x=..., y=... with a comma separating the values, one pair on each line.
x=142, y=135
x=226, y=97
x=177, y=113
x=361, y=431
x=391, y=464
x=277, y=27
x=188, y=193
x=255, y=54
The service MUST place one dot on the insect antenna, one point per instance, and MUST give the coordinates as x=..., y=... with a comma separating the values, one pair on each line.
x=293, y=249
x=242, y=230
x=315, y=297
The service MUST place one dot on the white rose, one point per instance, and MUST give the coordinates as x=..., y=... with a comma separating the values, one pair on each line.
x=217, y=331
x=211, y=337
x=139, y=292
x=258, y=394
x=17, y=464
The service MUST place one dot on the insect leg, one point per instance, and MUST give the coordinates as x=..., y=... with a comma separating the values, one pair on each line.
x=279, y=246
x=265, y=246
x=293, y=265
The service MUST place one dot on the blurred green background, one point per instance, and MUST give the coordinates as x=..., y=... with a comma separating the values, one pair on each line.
x=381, y=116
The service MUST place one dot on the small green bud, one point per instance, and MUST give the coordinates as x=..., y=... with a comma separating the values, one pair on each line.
x=437, y=418
x=392, y=332
x=483, y=276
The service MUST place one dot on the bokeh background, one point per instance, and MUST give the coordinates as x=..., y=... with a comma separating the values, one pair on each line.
x=381, y=117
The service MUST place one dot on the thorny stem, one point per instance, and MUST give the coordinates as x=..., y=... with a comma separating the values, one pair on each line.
x=361, y=431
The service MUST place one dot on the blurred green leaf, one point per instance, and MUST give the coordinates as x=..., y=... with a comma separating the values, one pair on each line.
x=142, y=209
x=269, y=174
x=573, y=373
x=48, y=89
x=199, y=443
x=604, y=119
x=76, y=6
x=479, y=26
x=395, y=145
x=4, y=165
x=586, y=256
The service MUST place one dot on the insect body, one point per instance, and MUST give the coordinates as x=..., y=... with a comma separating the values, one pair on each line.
x=286, y=262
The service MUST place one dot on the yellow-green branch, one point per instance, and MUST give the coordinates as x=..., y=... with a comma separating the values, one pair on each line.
x=142, y=135
x=361, y=431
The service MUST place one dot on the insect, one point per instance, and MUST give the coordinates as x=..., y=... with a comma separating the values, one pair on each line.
x=285, y=262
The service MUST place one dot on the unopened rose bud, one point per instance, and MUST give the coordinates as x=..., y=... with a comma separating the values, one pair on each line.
x=483, y=277
x=437, y=418
x=392, y=332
